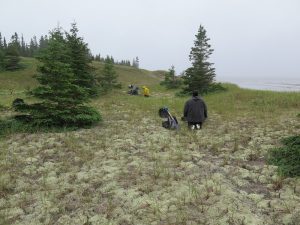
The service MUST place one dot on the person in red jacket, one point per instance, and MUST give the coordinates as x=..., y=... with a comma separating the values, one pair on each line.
x=195, y=111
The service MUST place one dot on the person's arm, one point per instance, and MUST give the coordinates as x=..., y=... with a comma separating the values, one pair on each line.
x=205, y=109
x=185, y=111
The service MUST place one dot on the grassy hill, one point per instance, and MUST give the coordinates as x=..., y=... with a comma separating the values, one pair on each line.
x=130, y=170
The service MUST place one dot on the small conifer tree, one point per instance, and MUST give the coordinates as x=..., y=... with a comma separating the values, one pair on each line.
x=108, y=78
x=62, y=99
x=11, y=60
x=171, y=81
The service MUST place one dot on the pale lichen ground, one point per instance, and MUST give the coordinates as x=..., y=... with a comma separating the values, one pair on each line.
x=130, y=170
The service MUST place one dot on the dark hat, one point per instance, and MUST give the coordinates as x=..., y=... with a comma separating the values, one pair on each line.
x=195, y=93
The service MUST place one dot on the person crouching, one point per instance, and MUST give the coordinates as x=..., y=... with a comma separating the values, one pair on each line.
x=195, y=111
x=146, y=91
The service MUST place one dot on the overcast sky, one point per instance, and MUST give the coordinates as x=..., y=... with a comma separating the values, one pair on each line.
x=251, y=38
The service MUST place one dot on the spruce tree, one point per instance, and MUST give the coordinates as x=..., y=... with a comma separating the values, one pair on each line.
x=62, y=99
x=136, y=62
x=108, y=78
x=133, y=63
x=11, y=54
x=4, y=44
x=171, y=81
x=98, y=58
x=1, y=53
x=1, y=59
x=23, y=47
x=80, y=61
x=43, y=42
x=16, y=42
x=201, y=75
x=33, y=46
x=1, y=42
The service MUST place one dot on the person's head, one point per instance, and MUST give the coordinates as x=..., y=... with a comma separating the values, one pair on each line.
x=195, y=93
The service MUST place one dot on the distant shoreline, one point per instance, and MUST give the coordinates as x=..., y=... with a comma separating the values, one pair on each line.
x=287, y=86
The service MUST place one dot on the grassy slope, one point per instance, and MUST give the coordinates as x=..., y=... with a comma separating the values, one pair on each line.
x=129, y=170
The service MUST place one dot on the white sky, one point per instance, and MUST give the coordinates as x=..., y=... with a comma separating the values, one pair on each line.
x=252, y=38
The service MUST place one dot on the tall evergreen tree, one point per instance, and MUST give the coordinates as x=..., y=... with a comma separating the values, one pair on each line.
x=1, y=42
x=23, y=51
x=80, y=61
x=62, y=100
x=136, y=62
x=201, y=75
x=15, y=41
x=12, y=55
x=33, y=46
x=1, y=53
x=4, y=43
x=2, y=67
x=43, y=42
x=108, y=78
x=98, y=57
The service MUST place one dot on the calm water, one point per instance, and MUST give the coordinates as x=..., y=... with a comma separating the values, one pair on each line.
x=278, y=85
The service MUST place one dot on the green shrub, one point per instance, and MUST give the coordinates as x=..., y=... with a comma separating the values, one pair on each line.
x=287, y=157
x=11, y=126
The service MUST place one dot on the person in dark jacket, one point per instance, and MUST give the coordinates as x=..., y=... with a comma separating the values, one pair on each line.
x=195, y=111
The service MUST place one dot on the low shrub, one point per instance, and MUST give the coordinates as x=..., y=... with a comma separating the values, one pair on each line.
x=287, y=157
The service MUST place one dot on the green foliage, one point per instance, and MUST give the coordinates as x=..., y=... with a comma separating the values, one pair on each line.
x=201, y=75
x=12, y=126
x=25, y=49
x=287, y=157
x=108, y=78
x=62, y=97
x=1, y=60
x=80, y=61
x=17, y=125
x=216, y=87
x=1, y=107
x=171, y=81
x=11, y=58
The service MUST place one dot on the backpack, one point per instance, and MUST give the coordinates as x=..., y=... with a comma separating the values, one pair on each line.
x=171, y=122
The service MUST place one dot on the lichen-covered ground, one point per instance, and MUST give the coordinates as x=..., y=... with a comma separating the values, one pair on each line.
x=130, y=170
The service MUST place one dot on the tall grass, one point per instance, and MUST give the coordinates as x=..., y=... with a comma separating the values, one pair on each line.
x=257, y=103
x=229, y=104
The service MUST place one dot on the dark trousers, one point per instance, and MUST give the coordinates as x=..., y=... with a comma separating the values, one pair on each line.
x=195, y=123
